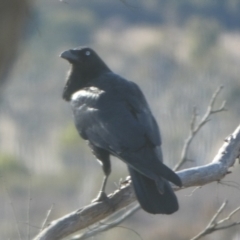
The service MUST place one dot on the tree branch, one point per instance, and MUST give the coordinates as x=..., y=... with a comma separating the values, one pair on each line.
x=88, y=215
x=195, y=127
x=46, y=218
x=108, y=224
x=218, y=168
x=214, y=225
x=124, y=196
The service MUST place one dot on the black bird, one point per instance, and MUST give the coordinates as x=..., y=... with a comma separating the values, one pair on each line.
x=112, y=114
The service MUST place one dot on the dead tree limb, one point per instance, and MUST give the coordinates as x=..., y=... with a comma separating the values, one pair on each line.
x=123, y=197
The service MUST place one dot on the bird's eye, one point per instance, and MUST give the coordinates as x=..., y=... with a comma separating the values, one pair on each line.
x=87, y=53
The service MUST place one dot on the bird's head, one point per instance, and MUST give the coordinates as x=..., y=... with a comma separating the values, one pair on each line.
x=86, y=65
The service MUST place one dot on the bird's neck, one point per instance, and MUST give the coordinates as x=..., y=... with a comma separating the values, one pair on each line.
x=74, y=82
x=77, y=80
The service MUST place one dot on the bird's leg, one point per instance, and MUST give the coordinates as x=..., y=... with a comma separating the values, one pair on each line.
x=102, y=196
x=104, y=159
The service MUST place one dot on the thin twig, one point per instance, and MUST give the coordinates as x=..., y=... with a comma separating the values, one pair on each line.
x=230, y=184
x=47, y=217
x=117, y=217
x=195, y=189
x=214, y=225
x=229, y=216
x=31, y=225
x=28, y=211
x=13, y=211
x=105, y=225
x=194, y=128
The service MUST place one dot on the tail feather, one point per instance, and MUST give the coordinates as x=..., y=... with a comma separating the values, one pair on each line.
x=150, y=199
x=150, y=164
x=169, y=175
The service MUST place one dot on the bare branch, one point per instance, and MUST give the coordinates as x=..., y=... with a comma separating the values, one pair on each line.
x=229, y=216
x=88, y=215
x=28, y=211
x=214, y=225
x=47, y=217
x=218, y=168
x=194, y=128
x=104, y=226
x=13, y=212
x=123, y=197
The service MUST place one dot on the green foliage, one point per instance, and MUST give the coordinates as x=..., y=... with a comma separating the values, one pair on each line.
x=204, y=34
x=71, y=147
x=11, y=165
x=69, y=137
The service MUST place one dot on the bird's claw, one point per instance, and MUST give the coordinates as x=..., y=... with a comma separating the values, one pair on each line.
x=101, y=197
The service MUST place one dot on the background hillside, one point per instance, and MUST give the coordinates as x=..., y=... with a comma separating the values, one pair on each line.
x=178, y=52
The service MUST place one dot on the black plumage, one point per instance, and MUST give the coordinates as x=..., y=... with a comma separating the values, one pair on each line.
x=112, y=114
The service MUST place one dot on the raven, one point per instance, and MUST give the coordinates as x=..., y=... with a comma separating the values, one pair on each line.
x=113, y=116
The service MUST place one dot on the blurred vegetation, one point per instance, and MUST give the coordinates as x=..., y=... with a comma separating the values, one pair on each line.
x=179, y=52
x=11, y=165
x=71, y=147
x=205, y=34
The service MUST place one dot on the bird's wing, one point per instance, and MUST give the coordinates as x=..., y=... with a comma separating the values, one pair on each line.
x=117, y=119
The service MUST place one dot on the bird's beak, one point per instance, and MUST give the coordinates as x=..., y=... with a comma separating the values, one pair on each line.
x=69, y=55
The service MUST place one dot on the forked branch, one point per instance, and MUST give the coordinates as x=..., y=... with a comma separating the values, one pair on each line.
x=195, y=127
x=215, y=225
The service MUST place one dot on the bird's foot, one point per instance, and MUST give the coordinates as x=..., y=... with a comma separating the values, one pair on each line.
x=101, y=197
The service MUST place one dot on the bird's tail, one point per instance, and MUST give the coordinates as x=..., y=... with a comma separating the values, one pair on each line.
x=149, y=197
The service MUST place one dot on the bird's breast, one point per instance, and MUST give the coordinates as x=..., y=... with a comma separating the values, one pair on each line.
x=88, y=96
x=87, y=93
